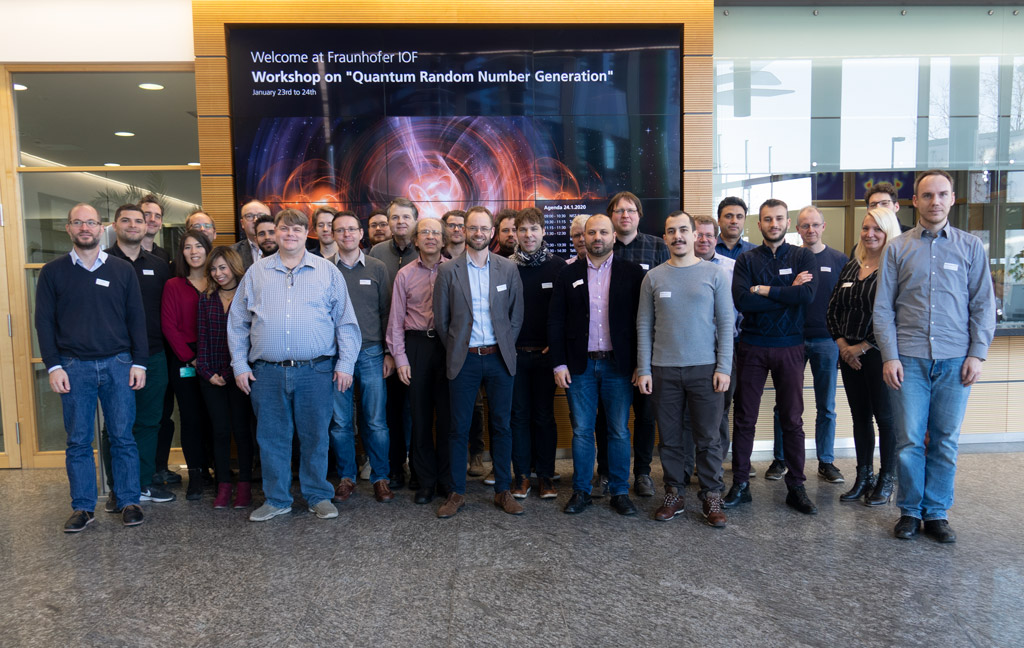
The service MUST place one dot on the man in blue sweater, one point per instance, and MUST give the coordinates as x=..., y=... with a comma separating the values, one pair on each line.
x=92, y=337
x=772, y=285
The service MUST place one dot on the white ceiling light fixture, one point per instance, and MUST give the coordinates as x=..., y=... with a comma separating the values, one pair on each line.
x=151, y=86
x=111, y=164
x=193, y=164
x=20, y=86
x=124, y=134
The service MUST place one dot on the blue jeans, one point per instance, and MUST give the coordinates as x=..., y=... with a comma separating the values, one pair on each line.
x=106, y=379
x=373, y=425
x=931, y=400
x=823, y=356
x=290, y=400
x=491, y=372
x=601, y=380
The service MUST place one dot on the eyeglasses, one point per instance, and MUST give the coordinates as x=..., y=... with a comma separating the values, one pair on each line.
x=252, y=217
x=479, y=230
x=346, y=230
x=89, y=223
x=455, y=226
x=378, y=225
x=881, y=203
x=202, y=226
x=430, y=232
x=710, y=237
x=620, y=212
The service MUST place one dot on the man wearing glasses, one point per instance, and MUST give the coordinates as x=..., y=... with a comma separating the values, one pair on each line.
x=377, y=223
x=201, y=222
x=91, y=325
x=884, y=195
x=455, y=225
x=248, y=248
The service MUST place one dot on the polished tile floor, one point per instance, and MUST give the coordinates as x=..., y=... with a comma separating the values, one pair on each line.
x=394, y=575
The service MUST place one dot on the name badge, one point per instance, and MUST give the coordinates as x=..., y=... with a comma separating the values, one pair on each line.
x=364, y=282
x=102, y=282
x=826, y=269
x=502, y=287
x=847, y=284
x=577, y=283
x=950, y=266
x=665, y=294
x=785, y=271
x=147, y=272
x=645, y=266
x=547, y=285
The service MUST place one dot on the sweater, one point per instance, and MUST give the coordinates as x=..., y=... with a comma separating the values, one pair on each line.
x=538, y=284
x=827, y=265
x=775, y=319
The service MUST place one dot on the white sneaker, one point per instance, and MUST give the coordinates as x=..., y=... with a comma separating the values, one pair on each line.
x=324, y=510
x=267, y=511
x=489, y=479
x=364, y=471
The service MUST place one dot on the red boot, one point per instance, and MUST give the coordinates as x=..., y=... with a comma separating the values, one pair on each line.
x=243, y=496
x=223, y=499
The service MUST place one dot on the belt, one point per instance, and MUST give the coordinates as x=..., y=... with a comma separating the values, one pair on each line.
x=530, y=349
x=483, y=350
x=297, y=363
x=429, y=333
x=600, y=355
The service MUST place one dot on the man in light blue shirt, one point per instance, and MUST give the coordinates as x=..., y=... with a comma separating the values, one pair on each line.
x=292, y=331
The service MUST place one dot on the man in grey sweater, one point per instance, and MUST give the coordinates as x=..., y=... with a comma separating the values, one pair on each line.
x=684, y=358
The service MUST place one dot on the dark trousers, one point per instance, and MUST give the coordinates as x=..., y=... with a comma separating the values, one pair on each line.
x=869, y=396
x=428, y=396
x=689, y=456
x=786, y=366
x=166, y=434
x=476, y=428
x=679, y=390
x=148, y=407
x=230, y=415
x=191, y=413
x=534, y=432
x=489, y=372
x=398, y=402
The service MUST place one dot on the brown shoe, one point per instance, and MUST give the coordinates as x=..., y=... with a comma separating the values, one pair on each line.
x=476, y=466
x=507, y=503
x=672, y=506
x=713, y=510
x=382, y=492
x=451, y=506
x=344, y=490
x=547, y=489
x=521, y=488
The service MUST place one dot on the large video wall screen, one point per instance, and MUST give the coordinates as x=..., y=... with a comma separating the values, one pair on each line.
x=558, y=117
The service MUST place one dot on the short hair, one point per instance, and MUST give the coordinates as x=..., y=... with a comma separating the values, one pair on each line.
x=181, y=267
x=416, y=231
x=345, y=212
x=291, y=217
x=402, y=202
x=192, y=214
x=625, y=195
x=504, y=214
x=124, y=208
x=376, y=212
x=232, y=258
x=323, y=209
x=458, y=213
x=932, y=172
x=772, y=203
x=82, y=204
x=530, y=216
x=706, y=220
x=265, y=218
x=886, y=219
x=151, y=198
x=812, y=208
x=580, y=220
x=881, y=187
x=677, y=213
x=730, y=201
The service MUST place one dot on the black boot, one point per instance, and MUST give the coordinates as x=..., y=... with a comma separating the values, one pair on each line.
x=195, y=484
x=861, y=487
x=883, y=490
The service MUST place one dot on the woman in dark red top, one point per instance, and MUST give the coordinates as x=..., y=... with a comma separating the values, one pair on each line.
x=229, y=408
x=178, y=317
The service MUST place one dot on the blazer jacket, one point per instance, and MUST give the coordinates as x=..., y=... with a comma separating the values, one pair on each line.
x=244, y=251
x=453, y=309
x=569, y=316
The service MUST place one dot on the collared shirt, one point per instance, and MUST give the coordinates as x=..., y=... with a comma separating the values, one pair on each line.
x=644, y=250
x=934, y=298
x=598, y=281
x=257, y=252
x=741, y=247
x=412, y=305
x=482, y=333
x=299, y=314
x=101, y=258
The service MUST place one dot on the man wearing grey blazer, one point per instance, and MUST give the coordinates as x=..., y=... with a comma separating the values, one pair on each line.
x=248, y=248
x=478, y=311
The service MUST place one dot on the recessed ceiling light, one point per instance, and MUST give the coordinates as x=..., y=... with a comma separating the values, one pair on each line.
x=19, y=86
x=124, y=134
x=151, y=86
x=193, y=164
x=111, y=164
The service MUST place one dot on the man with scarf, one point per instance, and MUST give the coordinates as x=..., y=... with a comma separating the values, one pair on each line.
x=534, y=434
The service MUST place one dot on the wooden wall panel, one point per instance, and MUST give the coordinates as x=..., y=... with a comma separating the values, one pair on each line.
x=212, y=87
x=698, y=84
x=219, y=203
x=215, y=145
x=697, y=139
x=697, y=192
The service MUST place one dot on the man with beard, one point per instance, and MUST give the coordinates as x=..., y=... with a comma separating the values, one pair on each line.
x=505, y=232
x=772, y=286
x=154, y=214
x=455, y=225
x=264, y=228
x=377, y=224
x=91, y=325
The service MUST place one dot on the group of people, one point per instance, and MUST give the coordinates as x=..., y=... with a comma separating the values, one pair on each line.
x=431, y=316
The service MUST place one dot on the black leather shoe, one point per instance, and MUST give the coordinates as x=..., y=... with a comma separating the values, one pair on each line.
x=939, y=531
x=578, y=502
x=78, y=521
x=396, y=480
x=797, y=499
x=442, y=490
x=738, y=494
x=907, y=527
x=623, y=505
x=424, y=495
x=131, y=515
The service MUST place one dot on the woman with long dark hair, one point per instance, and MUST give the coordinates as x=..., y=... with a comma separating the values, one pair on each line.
x=229, y=408
x=178, y=317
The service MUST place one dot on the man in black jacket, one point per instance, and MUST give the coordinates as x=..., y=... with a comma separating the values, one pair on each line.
x=592, y=334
